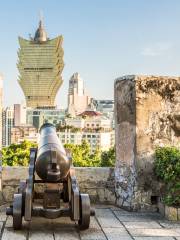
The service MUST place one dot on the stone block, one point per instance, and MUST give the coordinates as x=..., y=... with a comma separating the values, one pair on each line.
x=171, y=213
x=169, y=224
x=9, y=233
x=116, y=234
x=161, y=208
x=100, y=194
x=8, y=192
x=92, y=234
x=160, y=232
x=109, y=195
x=66, y=233
x=14, y=173
x=151, y=224
x=178, y=213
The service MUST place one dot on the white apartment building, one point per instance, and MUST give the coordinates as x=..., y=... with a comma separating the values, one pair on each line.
x=101, y=140
x=96, y=130
x=89, y=122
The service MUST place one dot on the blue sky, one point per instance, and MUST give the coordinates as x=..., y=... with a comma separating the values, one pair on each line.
x=103, y=40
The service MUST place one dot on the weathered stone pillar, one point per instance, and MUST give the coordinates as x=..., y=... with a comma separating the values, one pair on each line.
x=147, y=114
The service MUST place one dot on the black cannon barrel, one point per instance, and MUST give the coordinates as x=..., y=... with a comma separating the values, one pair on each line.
x=52, y=162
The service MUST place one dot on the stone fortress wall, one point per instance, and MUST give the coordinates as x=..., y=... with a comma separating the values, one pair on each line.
x=147, y=114
x=97, y=182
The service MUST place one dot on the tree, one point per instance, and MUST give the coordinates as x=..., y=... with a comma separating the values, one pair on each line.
x=108, y=158
x=80, y=154
x=17, y=154
x=96, y=158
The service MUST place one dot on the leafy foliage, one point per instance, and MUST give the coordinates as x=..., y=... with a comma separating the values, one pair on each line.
x=17, y=154
x=167, y=168
x=82, y=157
x=108, y=158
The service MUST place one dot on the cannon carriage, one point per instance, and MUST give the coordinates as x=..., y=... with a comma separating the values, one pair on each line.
x=51, y=166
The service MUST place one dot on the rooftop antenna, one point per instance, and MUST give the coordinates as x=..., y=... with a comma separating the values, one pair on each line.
x=41, y=18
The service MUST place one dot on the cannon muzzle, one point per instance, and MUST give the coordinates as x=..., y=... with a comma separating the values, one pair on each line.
x=52, y=163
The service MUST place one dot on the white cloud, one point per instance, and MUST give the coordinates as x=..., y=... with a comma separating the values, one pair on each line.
x=157, y=49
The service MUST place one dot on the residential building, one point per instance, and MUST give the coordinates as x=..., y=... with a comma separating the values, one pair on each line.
x=21, y=133
x=102, y=139
x=40, y=66
x=91, y=127
x=89, y=120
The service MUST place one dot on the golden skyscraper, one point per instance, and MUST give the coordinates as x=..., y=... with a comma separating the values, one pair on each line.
x=40, y=66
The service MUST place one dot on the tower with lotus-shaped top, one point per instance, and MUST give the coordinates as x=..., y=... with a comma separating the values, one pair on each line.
x=40, y=66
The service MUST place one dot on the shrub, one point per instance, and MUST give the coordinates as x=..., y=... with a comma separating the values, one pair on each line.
x=108, y=158
x=167, y=168
x=17, y=154
x=82, y=156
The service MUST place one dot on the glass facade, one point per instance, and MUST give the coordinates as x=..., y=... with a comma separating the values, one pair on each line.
x=40, y=65
x=36, y=117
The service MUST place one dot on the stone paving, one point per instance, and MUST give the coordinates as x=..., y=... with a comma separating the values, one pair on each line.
x=110, y=223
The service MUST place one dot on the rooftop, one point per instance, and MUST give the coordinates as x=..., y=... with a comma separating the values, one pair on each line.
x=110, y=223
x=40, y=35
x=90, y=113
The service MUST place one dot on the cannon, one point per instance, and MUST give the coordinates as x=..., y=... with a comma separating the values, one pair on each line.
x=51, y=166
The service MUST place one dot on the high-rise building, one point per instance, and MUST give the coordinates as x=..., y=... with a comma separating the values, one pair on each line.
x=1, y=96
x=19, y=114
x=8, y=123
x=106, y=107
x=40, y=65
x=78, y=99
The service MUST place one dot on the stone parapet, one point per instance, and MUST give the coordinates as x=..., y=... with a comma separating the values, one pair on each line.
x=147, y=114
x=97, y=182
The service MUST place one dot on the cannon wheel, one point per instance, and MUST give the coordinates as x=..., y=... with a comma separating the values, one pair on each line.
x=65, y=192
x=22, y=190
x=17, y=211
x=84, y=211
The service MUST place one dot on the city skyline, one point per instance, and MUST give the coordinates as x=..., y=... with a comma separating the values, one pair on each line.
x=102, y=41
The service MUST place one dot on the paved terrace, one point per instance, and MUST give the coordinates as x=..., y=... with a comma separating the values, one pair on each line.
x=110, y=223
